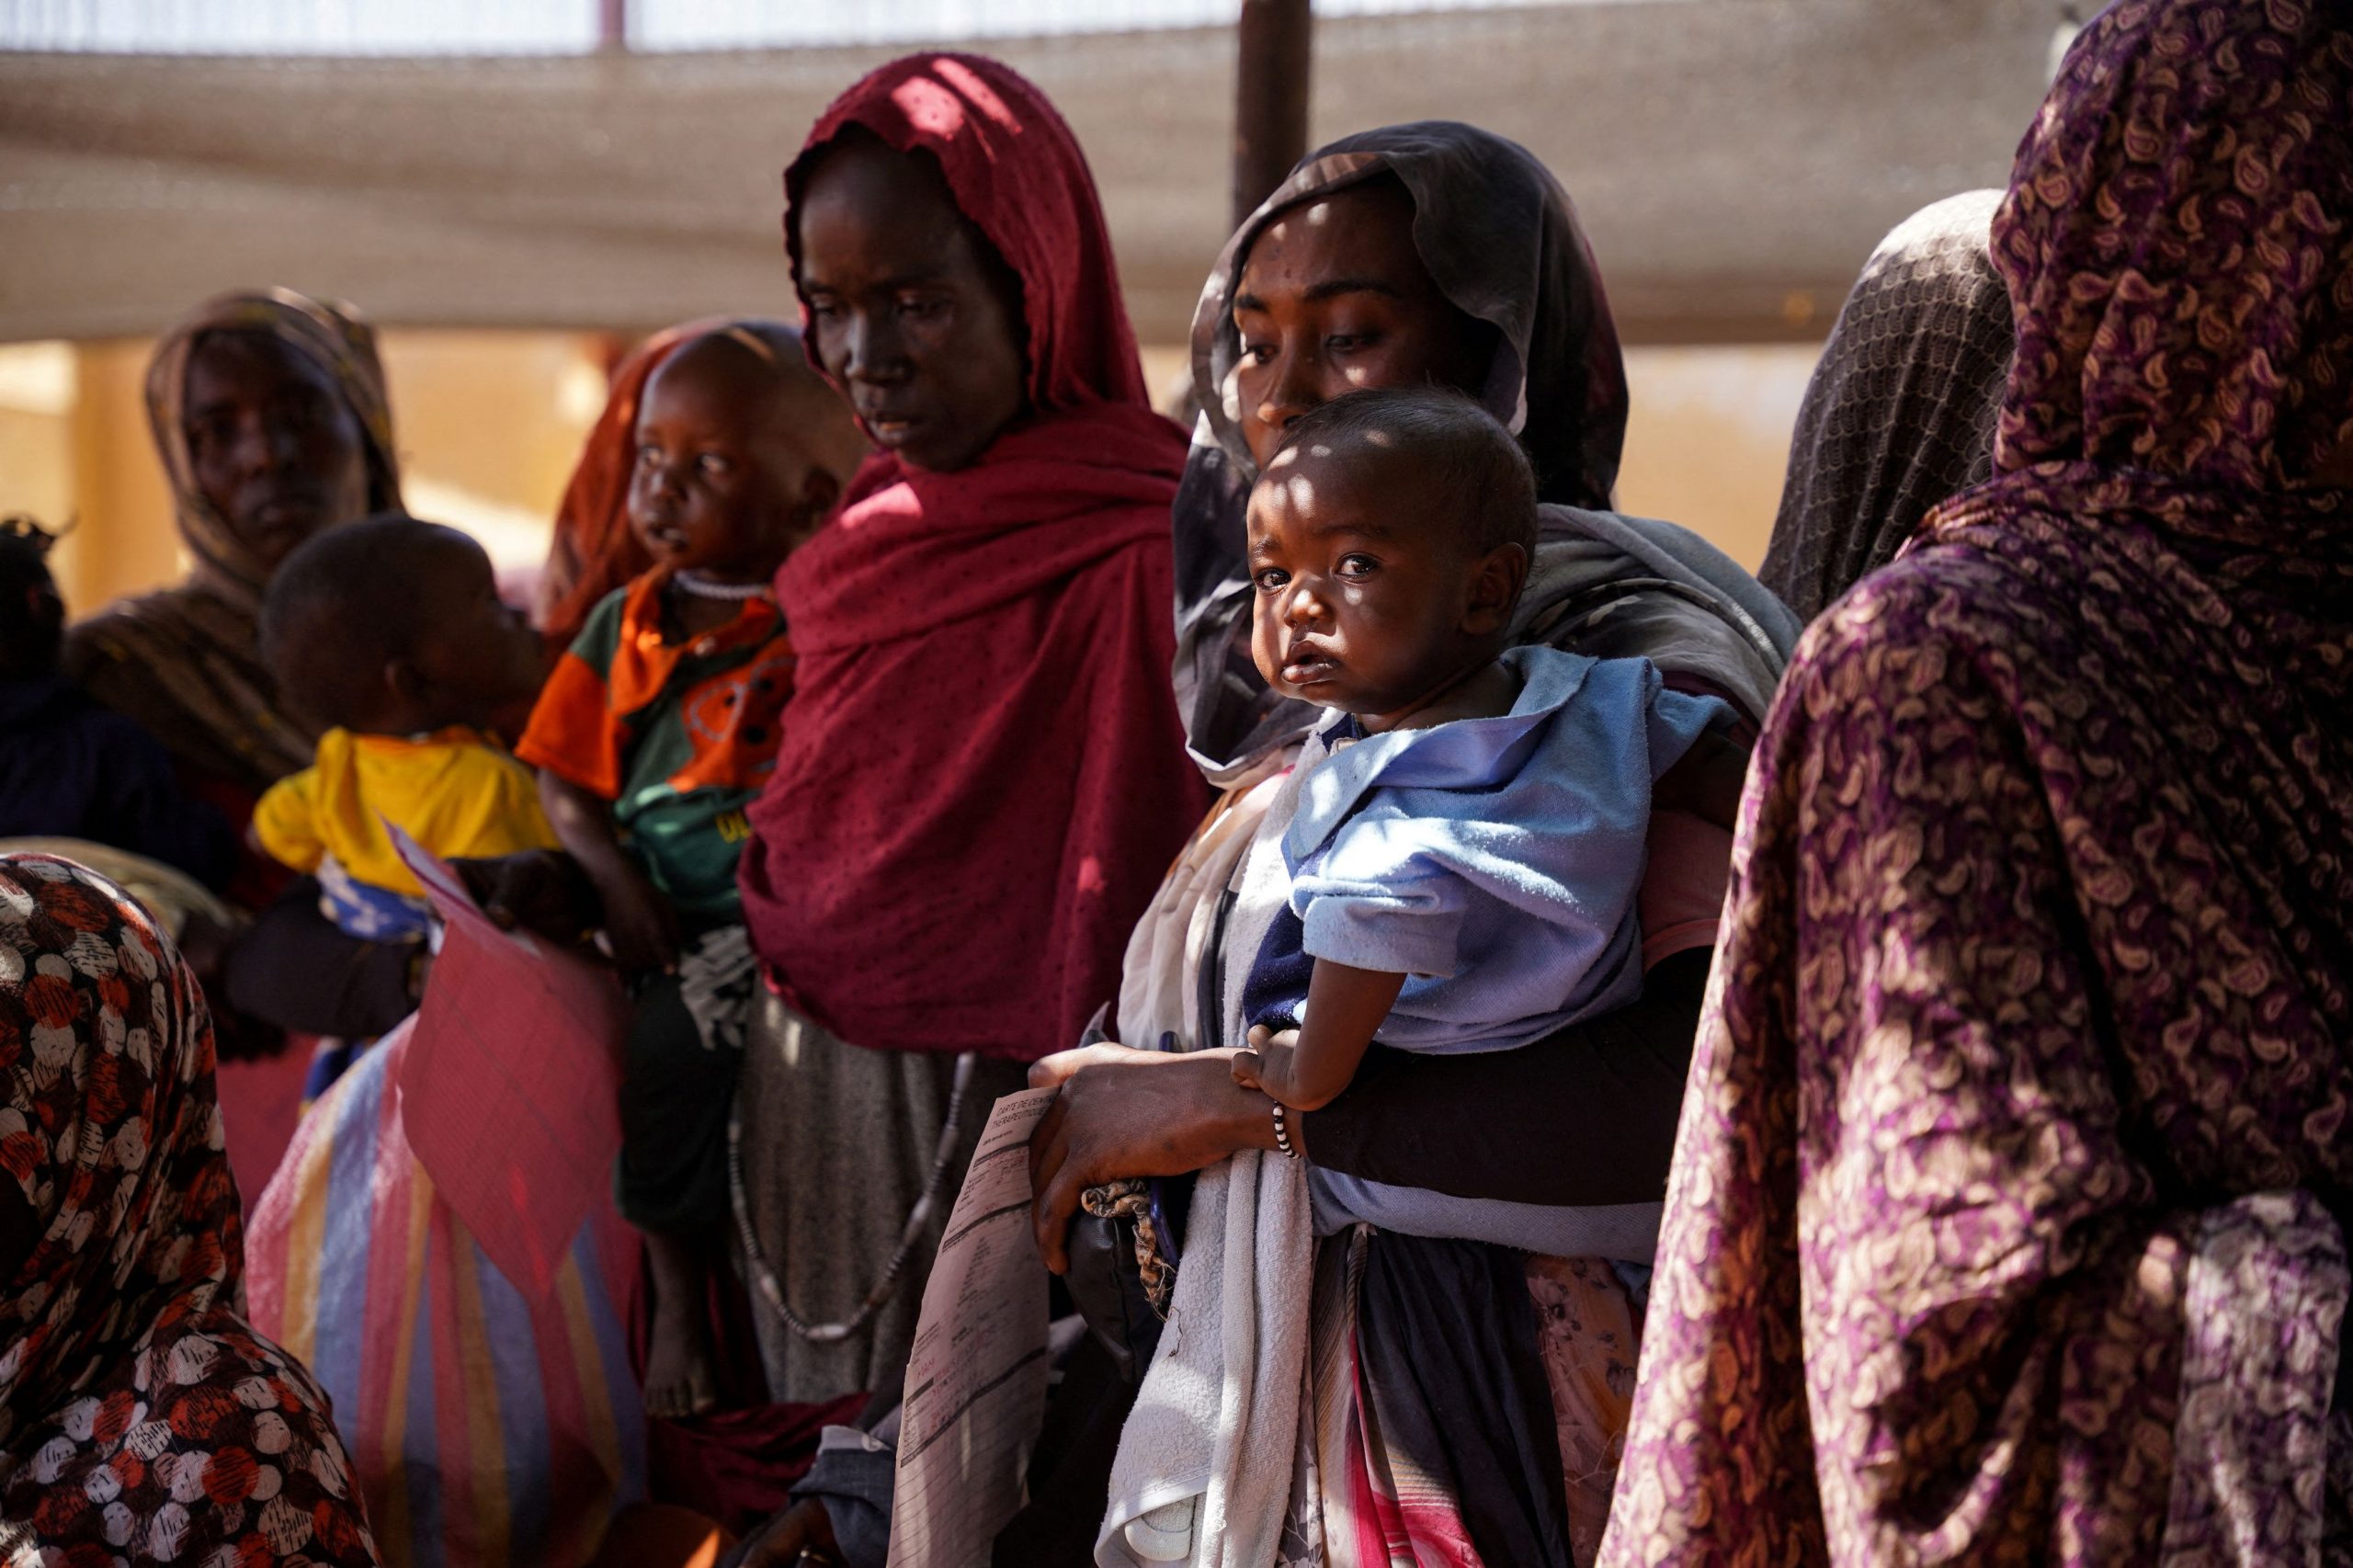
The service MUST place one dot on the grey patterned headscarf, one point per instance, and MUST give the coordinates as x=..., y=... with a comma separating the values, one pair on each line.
x=1899, y=412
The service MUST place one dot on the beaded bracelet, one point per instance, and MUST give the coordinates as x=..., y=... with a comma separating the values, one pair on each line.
x=1282, y=1133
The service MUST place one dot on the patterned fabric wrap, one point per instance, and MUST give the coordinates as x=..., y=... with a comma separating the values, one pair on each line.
x=2035, y=967
x=718, y=976
x=1900, y=412
x=185, y=662
x=142, y=1419
x=1425, y=1447
x=488, y=1428
x=370, y=913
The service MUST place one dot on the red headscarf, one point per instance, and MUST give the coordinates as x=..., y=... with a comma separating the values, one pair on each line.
x=983, y=779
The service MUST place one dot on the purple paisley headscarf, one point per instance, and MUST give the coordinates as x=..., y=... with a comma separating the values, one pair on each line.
x=2006, y=1217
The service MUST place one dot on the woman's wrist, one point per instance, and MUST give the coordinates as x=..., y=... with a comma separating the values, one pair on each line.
x=1250, y=1123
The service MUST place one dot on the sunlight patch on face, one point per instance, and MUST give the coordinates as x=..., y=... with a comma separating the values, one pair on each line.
x=1319, y=214
x=1284, y=458
x=1380, y=438
x=1300, y=491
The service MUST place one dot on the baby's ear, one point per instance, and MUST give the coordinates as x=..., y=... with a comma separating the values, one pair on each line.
x=818, y=492
x=1495, y=590
x=404, y=680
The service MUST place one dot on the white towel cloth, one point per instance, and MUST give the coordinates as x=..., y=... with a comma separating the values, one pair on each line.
x=1215, y=1428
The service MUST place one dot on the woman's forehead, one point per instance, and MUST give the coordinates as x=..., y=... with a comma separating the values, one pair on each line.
x=868, y=201
x=233, y=362
x=1361, y=232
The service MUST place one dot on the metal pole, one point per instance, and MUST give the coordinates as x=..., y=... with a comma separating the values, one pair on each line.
x=1277, y=41
x=612, y=25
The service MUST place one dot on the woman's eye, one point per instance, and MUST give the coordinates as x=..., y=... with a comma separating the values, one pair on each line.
x=711, y=462
x=1351, y=342
x=823, y=310
x=1257, y=353
x=649, y=457
x=1357, y=565
x=921, y=307
x=1271, y=579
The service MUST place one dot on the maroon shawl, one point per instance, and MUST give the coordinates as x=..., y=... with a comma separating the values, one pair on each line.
x=2006, y=1217
x=982, y=777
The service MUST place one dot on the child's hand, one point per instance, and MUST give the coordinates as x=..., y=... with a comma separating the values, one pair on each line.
x=1266, y=1065
x=640, y=926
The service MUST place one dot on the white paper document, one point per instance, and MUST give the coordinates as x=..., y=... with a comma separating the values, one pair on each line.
x=976, y=1383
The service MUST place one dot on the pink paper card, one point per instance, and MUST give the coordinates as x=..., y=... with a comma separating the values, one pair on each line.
x=510, y=1082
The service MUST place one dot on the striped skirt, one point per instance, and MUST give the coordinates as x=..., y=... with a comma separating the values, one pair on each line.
x=491, y=1426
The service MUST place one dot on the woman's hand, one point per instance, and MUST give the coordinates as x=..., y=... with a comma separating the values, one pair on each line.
x=803, y=1532
x=1124, y=1112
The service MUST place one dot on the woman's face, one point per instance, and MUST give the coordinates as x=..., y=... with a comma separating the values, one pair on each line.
x=276, y=451
x=1334, y=298
x=916, y=319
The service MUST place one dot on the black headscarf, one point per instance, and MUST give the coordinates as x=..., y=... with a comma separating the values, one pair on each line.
x=1501, y=240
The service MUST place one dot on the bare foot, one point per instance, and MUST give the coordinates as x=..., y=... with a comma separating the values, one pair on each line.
x=681, y=1379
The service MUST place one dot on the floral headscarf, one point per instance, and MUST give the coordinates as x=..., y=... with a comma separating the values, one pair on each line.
x=142, y=1419
x=2006, y=1215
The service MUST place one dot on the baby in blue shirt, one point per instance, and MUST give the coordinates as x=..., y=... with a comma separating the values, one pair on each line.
x=1468, y=843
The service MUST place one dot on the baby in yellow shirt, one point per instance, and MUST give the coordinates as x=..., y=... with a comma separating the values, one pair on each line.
x=391, y=632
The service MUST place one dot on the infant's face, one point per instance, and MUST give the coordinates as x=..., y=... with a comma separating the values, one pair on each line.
x=1362, y=596
x=478, y=653
x=720, y=485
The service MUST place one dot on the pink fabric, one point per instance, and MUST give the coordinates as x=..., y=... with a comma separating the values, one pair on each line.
x=509, y=1079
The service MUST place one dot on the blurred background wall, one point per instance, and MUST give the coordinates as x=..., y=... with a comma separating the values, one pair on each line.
x=515, y=191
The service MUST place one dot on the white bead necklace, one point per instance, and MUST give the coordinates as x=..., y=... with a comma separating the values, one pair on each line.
x=702, y=587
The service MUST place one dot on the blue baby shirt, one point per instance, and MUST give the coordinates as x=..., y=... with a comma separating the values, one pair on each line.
x=1495, y=862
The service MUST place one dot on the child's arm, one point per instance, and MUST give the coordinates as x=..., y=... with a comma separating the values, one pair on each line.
x=285, y=826
x=1345, y=1008
x=638, y=922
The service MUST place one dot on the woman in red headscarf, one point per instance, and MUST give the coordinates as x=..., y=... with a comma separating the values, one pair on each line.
x=983, y=776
